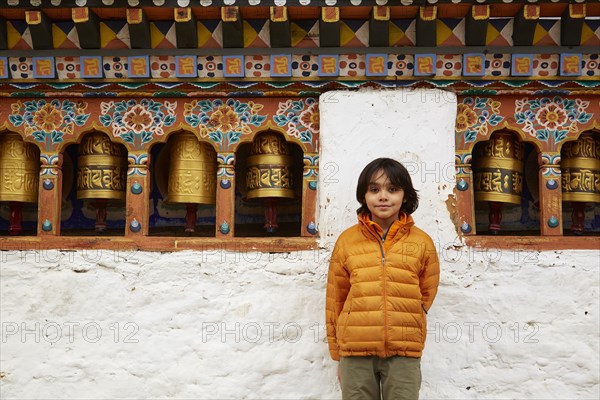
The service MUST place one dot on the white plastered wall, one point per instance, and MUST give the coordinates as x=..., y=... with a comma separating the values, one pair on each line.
x=222, y=324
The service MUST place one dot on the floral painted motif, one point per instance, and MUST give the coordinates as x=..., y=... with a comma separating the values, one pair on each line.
x=474, y=116
x=465, y=118
x=137, y=123
x=46, y=121
x=551, y=119
x=301, y=117
x=223, y=123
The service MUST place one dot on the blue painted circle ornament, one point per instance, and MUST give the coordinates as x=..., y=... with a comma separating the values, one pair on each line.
x=552, y=184
x=462, y=185
x=312, y=185
x=48, y=184
x=225, y=183
x=224, y=228
x=552, y=222
x=135, y=226
x=311, y=228
x=465, y=228
x=47, y=226
x=136, y=188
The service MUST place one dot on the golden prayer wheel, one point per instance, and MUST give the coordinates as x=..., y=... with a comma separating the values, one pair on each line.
x=498, y=169
x=19, y=169
x=192, y=171
x=580, y=169
x=269, y=168
x=101, y=168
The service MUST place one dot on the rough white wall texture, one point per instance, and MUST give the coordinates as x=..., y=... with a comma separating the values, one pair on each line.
x=223, y=325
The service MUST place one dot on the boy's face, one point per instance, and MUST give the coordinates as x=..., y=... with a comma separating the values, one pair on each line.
x=383, y=199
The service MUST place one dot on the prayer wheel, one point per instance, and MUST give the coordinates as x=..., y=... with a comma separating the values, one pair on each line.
x=269, y=168
x=192, y=172
x=580, y=175
x=101, y=173
x=19, y=176
x=101, y=168
x=192, y=175
x=498, y=174
x=268, y=175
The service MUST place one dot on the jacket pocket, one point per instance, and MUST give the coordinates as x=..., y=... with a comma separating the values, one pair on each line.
x=343, y=323
x=423, y=322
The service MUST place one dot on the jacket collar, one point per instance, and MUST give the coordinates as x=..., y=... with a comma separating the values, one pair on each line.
x=402, y=225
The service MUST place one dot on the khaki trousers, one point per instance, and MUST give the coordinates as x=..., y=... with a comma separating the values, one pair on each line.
x=367, y=378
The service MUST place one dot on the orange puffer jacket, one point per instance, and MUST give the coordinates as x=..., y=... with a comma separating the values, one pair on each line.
x=378, y=291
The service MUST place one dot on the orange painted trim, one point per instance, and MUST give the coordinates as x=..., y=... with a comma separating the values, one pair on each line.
x=480, y=12
x=182, y=14
x=330, y=14
x=138, y=205
x=278, y=14
x=531, y=11
x=273, y=245
x=230, y=14
x=225, y=198
x=33, y=17
x=428, y=13
x=381, y=13
x=268, y=107
x=81, y=14
x=577, y=10
x=135, y=16
x=534, y=243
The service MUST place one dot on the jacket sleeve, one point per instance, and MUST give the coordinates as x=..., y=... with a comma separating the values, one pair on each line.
x=430, y=274
x=338, y=285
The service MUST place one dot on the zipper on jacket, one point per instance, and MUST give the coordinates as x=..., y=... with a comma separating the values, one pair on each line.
x=385, y=316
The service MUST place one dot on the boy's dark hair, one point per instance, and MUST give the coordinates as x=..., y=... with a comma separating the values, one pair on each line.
x=397, y=174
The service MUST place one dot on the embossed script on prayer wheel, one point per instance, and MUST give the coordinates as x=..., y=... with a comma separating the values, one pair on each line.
x=498, y=169
x=269, y=168
x=580, y=169
x=19, y=169
x=192, y=172
x=102, y=168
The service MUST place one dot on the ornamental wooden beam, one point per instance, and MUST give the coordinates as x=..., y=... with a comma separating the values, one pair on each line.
x=571, y=25
x=426, y=26
x=3, y=35
x=476, y=23
x=87, y=24
x=233, y=27
x=186, y=29
x=329, y=27
x=139, y=29
x=40, y=28
x=379, y=27
x=524, y=25
x=280, y=33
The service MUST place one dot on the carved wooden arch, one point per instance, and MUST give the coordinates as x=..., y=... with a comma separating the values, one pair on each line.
x=4, y=129
x=528, y=115
x=181, y=129
x=76, y=139
x=269, y=126
x=594, y=130
x=505, y=126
